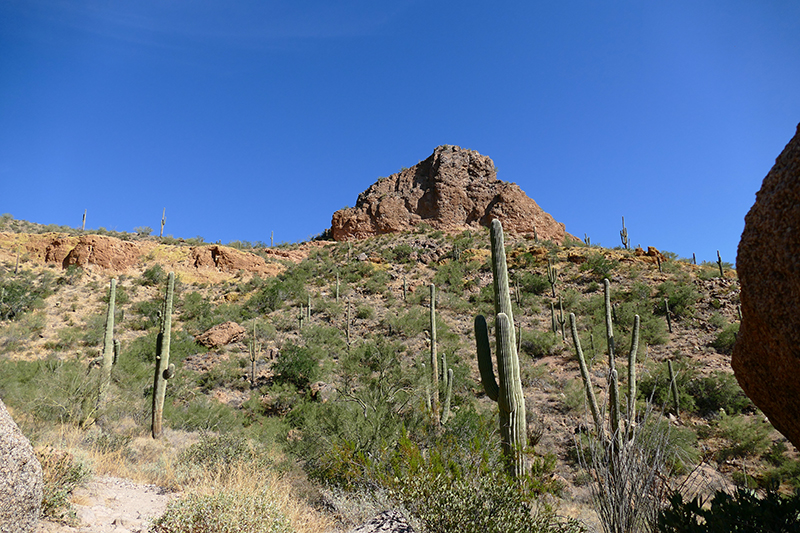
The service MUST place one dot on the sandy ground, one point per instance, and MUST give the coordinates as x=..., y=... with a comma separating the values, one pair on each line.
x=111, y=504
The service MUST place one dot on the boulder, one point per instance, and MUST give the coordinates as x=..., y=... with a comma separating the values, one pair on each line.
x=452, y=190
x=766, y=357
x=221, y=334
x=20, y=478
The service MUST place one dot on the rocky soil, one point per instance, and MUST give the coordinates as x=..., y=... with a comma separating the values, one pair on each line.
x=112, y=505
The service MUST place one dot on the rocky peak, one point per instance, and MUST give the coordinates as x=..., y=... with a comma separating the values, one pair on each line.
x=454, y=189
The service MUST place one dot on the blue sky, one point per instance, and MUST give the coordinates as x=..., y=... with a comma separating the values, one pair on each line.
x=247, y=117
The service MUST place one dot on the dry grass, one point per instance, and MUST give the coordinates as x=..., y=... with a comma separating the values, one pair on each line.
x=138, y=457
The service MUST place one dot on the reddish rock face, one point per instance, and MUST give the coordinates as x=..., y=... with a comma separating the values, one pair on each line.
x=453, y=190
x=766, y=357
x=221, y=334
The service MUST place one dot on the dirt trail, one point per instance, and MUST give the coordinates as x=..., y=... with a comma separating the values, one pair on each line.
x=110, y=504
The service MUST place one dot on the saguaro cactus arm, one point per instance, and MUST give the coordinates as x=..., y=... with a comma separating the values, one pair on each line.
x=485, y=365
x=587, y=380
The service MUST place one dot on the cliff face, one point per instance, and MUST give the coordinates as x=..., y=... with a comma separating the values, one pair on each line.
x=454, y=189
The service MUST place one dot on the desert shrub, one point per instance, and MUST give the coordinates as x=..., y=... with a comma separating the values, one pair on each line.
x=220, y=453
x=377, y=282
x=269, y=297
x=532, y=283
x=744, y=436
x=61, y=474
x=744, y=511
x=655, y=385
x=200, y=413
x=538, y=343
x=13, y=333
x=446, y=499
x=719, y=390
x=296, y=365
x=365, y=312
x=451, y=275
x=153, y=276
x=328, y=342
x=411, y=323
x=682, y=297
x=599, y=265
x=726, y=338
x=399, y=254
x=222, y=512
x=22, y=293
x=222, y=375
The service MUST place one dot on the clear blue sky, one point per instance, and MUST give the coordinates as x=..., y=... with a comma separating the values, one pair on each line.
x=251, y=116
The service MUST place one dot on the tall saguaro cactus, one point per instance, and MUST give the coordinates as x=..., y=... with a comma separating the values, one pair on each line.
x=434, y=358
x=508, y=392
x=164, y=370
x=108, y=341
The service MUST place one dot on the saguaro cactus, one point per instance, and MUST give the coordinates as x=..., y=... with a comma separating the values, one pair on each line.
x=164, y=370
x=552, y=276
x=255, y=350
x=623, y=235
x=613, y=396
x=108, y=341
x=508, y=393
x=434, y=358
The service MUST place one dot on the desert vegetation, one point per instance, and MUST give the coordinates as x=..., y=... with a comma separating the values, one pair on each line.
x=354, y=392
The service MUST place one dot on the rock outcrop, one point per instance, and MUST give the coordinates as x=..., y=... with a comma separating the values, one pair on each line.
x=766, y=357
x=106, y=252
x=20, y=478
x=452, y=190
x=221, y=334
x=227, y=259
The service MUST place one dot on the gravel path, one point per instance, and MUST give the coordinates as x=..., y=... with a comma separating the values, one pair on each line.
x=113, y=505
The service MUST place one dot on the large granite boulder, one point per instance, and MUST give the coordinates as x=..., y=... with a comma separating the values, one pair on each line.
x=452, y=190
x=20, y=478
x=766, y=357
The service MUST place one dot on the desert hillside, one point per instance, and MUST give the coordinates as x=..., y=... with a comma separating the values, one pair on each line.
x=326, y=376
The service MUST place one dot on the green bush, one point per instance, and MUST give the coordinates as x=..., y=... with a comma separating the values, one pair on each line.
x=744, y=511
x=744, y=436
x=599, y=265
x=452, y=276
x=296, y=365
x=538, y=343
x=22, y=293
x=682, y=297
x=220, y=453
x=719, y=390
x=532, y=283
x=154, y=276
x=654, y=385
x=222, y=512
x=726, y=338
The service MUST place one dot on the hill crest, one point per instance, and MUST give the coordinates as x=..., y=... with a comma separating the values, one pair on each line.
x=453, y=190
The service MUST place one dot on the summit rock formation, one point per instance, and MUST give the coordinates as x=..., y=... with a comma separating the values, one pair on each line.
x=452, y=190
